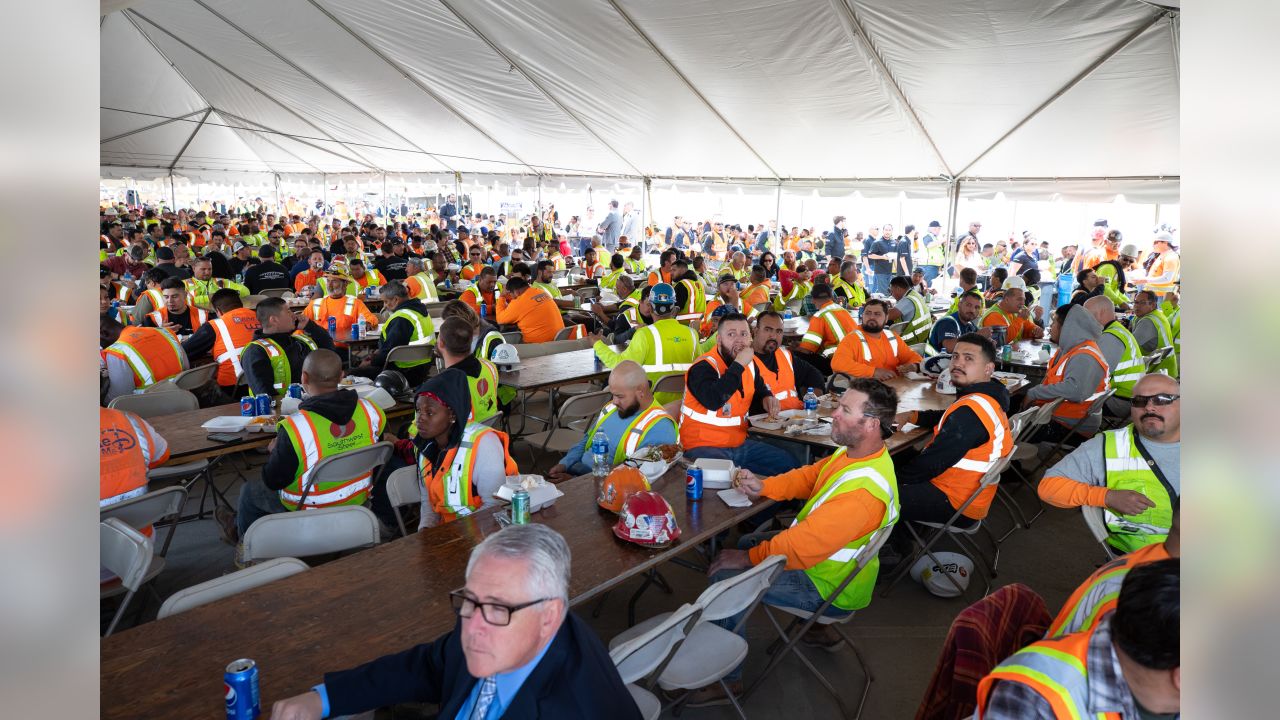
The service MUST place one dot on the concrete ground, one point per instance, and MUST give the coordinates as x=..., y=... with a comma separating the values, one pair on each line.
x=900, y=637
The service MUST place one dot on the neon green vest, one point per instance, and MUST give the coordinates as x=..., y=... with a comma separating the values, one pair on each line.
x=917, y=330
x=314, y=438
x=611, y=280
x=856, y=294
x=1164, y=336
x=484, y=396
x=1127, y=470
x=281, y=372
x=877, y=477
x=639, y=427
x=423, y=330
x=1130, y=368
x=935, y=253
x=551, y=289
x=697, y=297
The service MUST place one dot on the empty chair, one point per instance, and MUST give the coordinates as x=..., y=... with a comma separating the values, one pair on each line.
x=230, y=584
x=126, y=553
x=148, y=405
x=410, y=353
x=561, y=437
x=644, y=655
x=404, y=487
x=148, y=509
x=195, y=378
x=311, y=532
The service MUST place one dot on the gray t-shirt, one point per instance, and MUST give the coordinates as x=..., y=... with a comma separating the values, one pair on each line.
x=907, y=308
x=1144, y=331
x=1085, y=464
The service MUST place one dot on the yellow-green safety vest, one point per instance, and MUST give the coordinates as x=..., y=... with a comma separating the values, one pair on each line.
x=314, y=438
x=1130, y=368
x=1128, y=470
x=281, y=372
x=423, y=331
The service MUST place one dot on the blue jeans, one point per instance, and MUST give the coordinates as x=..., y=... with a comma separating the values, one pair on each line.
x=256, y=501
x=760, y=458
x=792, y=588
x=930, y=273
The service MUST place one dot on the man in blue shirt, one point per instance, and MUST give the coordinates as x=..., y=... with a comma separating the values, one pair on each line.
x=633, y=420
x=947, y=329
x=515, y=653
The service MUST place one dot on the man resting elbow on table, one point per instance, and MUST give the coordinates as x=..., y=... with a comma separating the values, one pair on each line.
x=873, y=350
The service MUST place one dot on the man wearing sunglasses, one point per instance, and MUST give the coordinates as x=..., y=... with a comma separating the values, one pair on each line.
x=515, y=652
x=1133, y=472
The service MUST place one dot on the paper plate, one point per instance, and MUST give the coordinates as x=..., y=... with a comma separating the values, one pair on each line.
x=227, y=423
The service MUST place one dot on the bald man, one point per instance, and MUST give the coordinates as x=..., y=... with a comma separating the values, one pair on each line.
x=1122, y=351
x=331, y=419
x=631, y=421
x=1132, y=472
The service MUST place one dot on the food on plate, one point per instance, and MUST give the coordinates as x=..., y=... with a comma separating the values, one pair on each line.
x=264, y=420
x=669, y=451
x=529, y=482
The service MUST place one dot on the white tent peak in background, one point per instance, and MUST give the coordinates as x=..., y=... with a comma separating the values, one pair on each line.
x=910, y=92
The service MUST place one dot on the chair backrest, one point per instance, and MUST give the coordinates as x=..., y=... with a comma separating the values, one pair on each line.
x=581, y=407
x=992, y=476
x=566, y=333
x=124, y=551
x=163, y=386
x=175, y=400
x=740, y=592
x=196, y=377
x=669, y=384
x=149, y=509
x=587, y=292
x=1046, y=413
x=410, y=353
x=493, y=422
x=404, y=487
x=529, y=351
x=642, y=656
x=311, y=532
x=558, y=274
x=898, y=328
x=515, y=337
x=1097, y=524
x=231, y=584
x=350, y=464
x=1020, y=425
x=251, y=301
x=277, y=292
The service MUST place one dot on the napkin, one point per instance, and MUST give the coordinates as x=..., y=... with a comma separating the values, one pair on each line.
x=734, y=498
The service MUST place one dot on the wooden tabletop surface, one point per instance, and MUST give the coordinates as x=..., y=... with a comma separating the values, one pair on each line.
x=366, y=605
x=557, y=369
x=1029, y=365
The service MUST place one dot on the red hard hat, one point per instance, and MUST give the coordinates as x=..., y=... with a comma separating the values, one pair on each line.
x=646, y=519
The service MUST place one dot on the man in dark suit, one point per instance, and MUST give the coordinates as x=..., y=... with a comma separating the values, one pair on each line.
x=515, y=653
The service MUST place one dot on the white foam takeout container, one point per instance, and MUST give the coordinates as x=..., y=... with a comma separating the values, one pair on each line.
x=541, y=495
x=716, y=474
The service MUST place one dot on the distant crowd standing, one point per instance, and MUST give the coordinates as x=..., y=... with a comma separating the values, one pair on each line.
x=274, y=300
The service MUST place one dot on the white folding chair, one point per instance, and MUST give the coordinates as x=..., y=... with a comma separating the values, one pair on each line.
x=1033, y=418
x=1094, y=519
x=311, y=532
x=230, y=584
x=404, y=487
x=669, y=384
x=921, y=349
x=410, y=353
x=802, y=620
x=126, y=553
x=150, y=509
x=563, y=434
x=645, y=655
x=712, y=652
x=276, y=292
x=963, y=536
x=514, y=337
x=196, y=378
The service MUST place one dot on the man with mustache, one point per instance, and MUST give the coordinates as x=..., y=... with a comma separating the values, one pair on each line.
x=872, y=350
x=786, y=376
x=1133, y=472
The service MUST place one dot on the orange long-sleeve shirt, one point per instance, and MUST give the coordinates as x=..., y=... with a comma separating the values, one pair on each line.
x=307, y=277
x=1064, y=492
x=849, y=357
x=1020, y=328
x=833, y=525
x=535, y=312
x=326, y=307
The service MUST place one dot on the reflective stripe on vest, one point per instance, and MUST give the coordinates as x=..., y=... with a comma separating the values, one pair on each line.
x=348, y=309
x=866, y=347
x=281, y=372
x=714, y=418
x=922, y=319
x=659, y=364
x=161, y=315
x=420, y=335
x=1057, y=670
x=457, y=486
x=787, y=380
x=312, y=453
x=833, y=324
x=1130, y=367
x=635, y=432
x=144, y=375
x=1128, y=470
x=232, y=354
x=1072, y=409
x=998, y=435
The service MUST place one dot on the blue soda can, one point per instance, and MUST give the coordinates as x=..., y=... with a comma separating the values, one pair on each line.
x=370, y=292
x=248, y=406
x=263, y=405
x=240, y=684
x=333, y=325
x=295, y=391
x=355, y=331
x=693, y=483
x=520, y=507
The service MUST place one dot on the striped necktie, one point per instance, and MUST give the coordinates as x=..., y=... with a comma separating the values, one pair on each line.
x=488, y=693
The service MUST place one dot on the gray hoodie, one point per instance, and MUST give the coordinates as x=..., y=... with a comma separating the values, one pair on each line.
x=1082, y=373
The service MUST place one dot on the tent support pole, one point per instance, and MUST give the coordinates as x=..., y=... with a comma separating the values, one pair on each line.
x=276, y=176
x=951, y=219
x=324, y=193
x=190, y=137
x=173, y=194
x=775, y=243
x=385, y=216
x=646, y=210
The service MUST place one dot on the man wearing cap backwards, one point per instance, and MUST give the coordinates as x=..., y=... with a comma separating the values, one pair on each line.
x=728, y=297
x=265, y=275
x=848, y=497
x=345, y=309
x=719, y=391
x=665, y=347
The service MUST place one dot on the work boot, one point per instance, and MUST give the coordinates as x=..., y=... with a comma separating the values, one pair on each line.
x=713, y=694
x=822, y=637
x=239, y=558
x=226, y=519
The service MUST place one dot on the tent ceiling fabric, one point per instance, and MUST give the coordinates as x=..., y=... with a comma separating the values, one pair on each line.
x=768, y=90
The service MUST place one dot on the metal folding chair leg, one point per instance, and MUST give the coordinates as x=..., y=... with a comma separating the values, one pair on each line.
x=791, y=646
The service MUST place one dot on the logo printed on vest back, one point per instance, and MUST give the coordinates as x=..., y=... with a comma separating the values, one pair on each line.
x=115, y=440
x=341, y=431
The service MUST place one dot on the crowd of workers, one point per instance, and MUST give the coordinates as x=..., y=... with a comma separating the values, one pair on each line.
x=274, y=301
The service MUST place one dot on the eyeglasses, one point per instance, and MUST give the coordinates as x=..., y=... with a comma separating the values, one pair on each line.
x=1160, y=399
x=495, y=614
x=893, y=427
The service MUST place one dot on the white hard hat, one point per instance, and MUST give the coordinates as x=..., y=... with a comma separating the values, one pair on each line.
x=1015, y=283
x=932, y=576
x=506, y=354
x=945, y=385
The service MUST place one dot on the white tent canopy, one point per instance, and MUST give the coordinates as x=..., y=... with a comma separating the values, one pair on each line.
x=1058, y=98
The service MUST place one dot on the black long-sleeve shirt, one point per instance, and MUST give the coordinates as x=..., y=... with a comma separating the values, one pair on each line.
x=399, y=332
x=806, y=375
x=714, y=391
x=962, y=432
x=257, y=366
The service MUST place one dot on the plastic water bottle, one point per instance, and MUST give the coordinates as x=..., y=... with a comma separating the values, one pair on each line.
x=599, y=456
x=127, y=277
x=362, y=327
x=239, y=278
x=810, y=404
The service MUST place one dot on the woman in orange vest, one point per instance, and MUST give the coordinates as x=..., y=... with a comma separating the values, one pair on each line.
x=1077, y=373
x=461, y=465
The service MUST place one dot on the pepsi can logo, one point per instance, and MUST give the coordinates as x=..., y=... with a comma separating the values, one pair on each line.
x=231, y=694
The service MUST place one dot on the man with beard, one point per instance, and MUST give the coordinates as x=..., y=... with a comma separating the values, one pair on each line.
x=969, y=438
x=949, y=329
x=786, y=376
x=631, y=421
x=1133, y=472
x=848, y=497
x=720, y=389
x=872, y=350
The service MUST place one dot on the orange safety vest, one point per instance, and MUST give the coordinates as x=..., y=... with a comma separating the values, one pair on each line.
x=198, y=316
x=783, y=382
x=755, y=294
x=157, y=299
x=727, y=426
x=960, y=480
x=1057, y=370
x=450, y=489
x=1056, y=670
x=659, y=276
x=127, y=449
x=712, y=304
x=152, y=353
x=232, y=332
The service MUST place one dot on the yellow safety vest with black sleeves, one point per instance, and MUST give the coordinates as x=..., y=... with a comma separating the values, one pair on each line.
x=856, y=295
x=876, y=476
x=1130, y=368
x=281, y=372
x=423, y=331
x=697, y=302
x=314, y=438
x=1127, y=469
x=637, y=429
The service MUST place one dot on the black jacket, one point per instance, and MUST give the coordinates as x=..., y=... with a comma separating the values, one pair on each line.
x=714, y=391
x=282, y=465
x=575, y=679
x=835, y=243
x=807, y=376
x=399, y=331
x=267, y=274
x=962, y=432
x=257, y=366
